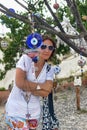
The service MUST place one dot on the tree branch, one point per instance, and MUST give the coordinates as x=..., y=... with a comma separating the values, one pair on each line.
x=74, y=9
x=64, y=38
x=6, y=11
x=42, y=21
x=54, y=16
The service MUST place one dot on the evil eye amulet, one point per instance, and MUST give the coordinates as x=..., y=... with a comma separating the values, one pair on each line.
x=34, y=40
x=57, y=69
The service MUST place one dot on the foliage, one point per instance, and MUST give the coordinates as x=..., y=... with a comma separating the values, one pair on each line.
x=2, y=89
x=82, y=111
x=63, y=49
x=19, y=31
x=68, y=79
x=82, y=8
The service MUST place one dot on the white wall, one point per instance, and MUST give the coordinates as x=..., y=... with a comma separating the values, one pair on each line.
x=9, y=76
x=70, y=67
x=8, y=79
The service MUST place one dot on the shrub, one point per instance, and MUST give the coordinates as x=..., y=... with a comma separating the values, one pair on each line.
x=2, y=89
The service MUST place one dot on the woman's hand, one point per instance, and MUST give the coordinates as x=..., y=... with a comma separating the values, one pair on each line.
x=44, y=90
x=41, y=93
x=23, y=83
x=47, y=86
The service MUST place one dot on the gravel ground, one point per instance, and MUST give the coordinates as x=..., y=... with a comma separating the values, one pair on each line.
x=66, y=110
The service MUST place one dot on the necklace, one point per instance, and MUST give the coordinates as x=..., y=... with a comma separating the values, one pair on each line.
x=36, y=68
x=26, y=96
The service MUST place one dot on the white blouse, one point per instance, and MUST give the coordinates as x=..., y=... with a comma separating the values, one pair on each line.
x=16, y=105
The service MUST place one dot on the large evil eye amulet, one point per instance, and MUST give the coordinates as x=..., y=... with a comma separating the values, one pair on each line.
x=34, y=40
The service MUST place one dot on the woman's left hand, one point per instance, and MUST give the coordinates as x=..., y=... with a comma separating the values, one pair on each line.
x=47, y=86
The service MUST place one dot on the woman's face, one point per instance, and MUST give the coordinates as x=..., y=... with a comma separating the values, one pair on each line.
x=46, y=49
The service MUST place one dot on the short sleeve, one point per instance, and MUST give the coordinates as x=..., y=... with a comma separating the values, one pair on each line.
x=24, y=63
x=50, y=74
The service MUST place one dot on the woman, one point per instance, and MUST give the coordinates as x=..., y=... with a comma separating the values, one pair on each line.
x=32, y=80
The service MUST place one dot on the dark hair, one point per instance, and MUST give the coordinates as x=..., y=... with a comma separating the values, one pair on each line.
x=47, y=37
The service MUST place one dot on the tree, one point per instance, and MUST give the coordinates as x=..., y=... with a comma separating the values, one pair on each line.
x=72, y=10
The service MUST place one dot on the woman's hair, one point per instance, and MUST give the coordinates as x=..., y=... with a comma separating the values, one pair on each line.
x=47, y=37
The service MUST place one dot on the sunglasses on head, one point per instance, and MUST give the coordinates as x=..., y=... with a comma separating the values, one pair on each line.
x=51, y=48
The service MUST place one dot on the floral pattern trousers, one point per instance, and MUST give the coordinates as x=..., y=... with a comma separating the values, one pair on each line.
x=16, y=123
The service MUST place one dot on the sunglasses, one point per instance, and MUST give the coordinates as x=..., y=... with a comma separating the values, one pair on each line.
x=51, y=48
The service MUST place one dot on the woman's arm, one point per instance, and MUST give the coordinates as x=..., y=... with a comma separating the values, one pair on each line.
x=22, y=82
x=47, y=85
x=41, y=93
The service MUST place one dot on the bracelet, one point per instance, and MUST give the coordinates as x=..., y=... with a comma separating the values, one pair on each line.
x=38, y=87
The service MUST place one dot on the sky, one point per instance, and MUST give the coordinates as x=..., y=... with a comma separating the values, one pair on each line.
x=12, y=4
x=16, y=7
